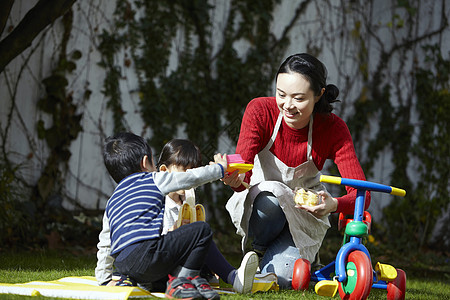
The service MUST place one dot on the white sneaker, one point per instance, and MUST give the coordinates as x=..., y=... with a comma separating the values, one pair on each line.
x=243, y=282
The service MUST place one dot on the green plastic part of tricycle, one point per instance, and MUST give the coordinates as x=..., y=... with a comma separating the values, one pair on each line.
x=356, y=228
x=352, y=276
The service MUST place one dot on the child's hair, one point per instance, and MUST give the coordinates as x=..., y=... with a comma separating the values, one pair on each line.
x=123, y=154
x=180, y=152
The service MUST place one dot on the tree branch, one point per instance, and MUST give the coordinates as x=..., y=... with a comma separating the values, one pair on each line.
x=39, y=17
x=5, y=9
x=300, y=9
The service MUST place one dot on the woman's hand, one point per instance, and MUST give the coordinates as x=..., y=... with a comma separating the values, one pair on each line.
x=232, y=179
x=328, y=205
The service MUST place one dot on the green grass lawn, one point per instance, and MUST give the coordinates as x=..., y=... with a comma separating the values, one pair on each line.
x=424, y=281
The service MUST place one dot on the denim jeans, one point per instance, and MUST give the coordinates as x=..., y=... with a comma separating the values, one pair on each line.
x=266, y=222
x=270, y=232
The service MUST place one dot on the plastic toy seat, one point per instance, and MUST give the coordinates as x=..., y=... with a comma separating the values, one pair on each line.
x=327, y=288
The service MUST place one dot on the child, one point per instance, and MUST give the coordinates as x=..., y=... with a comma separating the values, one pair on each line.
x=177, y=156
x=135, y=213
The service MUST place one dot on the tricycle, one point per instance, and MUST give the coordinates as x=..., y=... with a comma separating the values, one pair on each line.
x=351, y=273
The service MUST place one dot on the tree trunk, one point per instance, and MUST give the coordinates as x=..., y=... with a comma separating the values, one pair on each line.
x=39, y=17
x=5, y=9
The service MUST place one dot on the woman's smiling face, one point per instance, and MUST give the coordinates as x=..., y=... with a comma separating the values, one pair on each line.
x=295, y=99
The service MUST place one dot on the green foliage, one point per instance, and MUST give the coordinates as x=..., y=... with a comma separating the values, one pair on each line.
x=204, y=85
x=418, y=212
x=60, y=107
x=411, y=125
x=13, y=221
x=109, y=44
x=27, y=219
x=65, y=124
x=206, y=91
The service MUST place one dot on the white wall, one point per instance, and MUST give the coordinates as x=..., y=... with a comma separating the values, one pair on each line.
x=87, y=182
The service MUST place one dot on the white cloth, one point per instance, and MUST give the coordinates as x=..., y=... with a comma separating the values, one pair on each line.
x=272, y=175
x=104, y=268
x=171, y=212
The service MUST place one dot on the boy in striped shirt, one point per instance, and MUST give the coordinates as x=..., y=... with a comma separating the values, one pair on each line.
x=135, y=212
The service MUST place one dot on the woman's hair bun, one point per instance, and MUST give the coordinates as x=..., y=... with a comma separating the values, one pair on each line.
x=331, y=92
x=328, y=97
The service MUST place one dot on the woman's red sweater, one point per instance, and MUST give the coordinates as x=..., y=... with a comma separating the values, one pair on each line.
x=331, y=139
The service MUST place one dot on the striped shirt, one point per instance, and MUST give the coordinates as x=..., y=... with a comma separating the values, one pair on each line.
x=136, y=208
x=135, y=211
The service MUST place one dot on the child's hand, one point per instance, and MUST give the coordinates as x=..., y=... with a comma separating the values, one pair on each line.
x=112, y=283
x=183, y=222
x=222, y=160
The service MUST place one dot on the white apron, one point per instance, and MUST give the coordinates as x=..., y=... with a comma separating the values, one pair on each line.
x=272, y=175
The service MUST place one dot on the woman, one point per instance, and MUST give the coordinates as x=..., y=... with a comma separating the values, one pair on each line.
x=288, y=138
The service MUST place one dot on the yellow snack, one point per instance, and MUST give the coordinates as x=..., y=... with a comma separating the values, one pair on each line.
x=303, y=197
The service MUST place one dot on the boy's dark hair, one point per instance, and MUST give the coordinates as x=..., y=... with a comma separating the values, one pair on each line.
x=180, y=152
x=123, y=154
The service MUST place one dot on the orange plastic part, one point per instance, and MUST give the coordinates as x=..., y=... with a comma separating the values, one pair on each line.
x=342, y=221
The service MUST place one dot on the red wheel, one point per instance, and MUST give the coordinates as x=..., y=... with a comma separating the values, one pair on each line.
x=302, y=274
x=359, y=277
x=396, y=289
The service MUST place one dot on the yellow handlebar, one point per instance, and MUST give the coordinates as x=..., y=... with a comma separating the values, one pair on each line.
x=398, y=192
x=330, y=179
